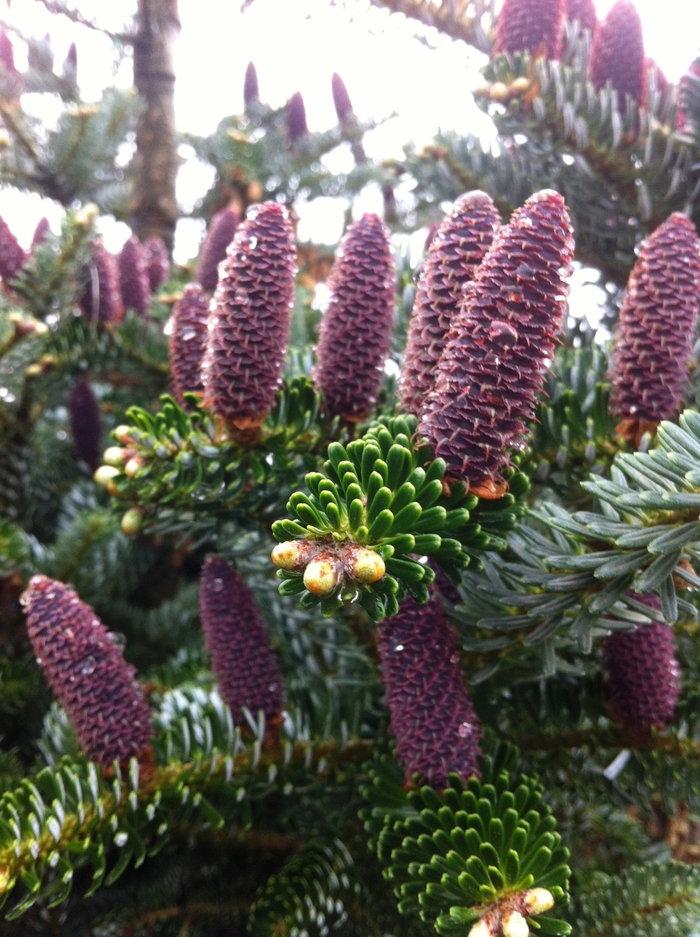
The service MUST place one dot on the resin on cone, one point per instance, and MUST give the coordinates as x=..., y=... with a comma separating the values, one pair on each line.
x=355, y=331
x=85, y=424
x=643, y=676
x=618, y=53
x=432, y=716
x=534, y=26
x=250, y=319
x=242, y=657
x=12, y=257
x=456, y=250
x=251, y=91
x=102, y=299
x=653, y=348
x=582, y=11
x=157, y=263
x=188, y=340
x=87, y=673
x=133, y=277
x=492, y=369
x=221, y=231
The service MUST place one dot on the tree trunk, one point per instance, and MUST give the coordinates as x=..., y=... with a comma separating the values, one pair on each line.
x=154, y=206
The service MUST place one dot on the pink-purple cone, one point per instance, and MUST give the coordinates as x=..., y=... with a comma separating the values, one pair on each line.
x=133, y=277
x=85, y=424
x=41, y=231
x=87, y=673
x=296, y=118
x=157, y=263
x=221, y=231
x=432, y=716
x=251, y=91
x=12, y=257
x=102, y=299
x=242, y=657
x=188, y=340
x=618, y=53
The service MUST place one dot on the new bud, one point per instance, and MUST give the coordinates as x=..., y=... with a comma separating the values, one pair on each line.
x=481, y=929
x=322, y=576
x=104, y=475
x=114, y=455
x=293, y=554
x=537, y=900
x=514, y=925
x=367, y=566
x=131, y=522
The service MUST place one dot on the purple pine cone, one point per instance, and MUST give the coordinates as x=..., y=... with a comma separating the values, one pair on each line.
x=456, y=250
x=85, y=424
x=341, y=98
x=133, y=277
x=188, y=340
x=643, y=674
x=157, y=263
x=534, y=26
x=236, y=637
x=221, y=231
x=12, y=257
x=250, y=318
x=492, y=369
x=432, y=716
x=653, y=350
x=296, y=118
x=355, y=331
x=618, y=53
x=87, y=673
x=102, y=298
x=251, y=92
x=42, y=229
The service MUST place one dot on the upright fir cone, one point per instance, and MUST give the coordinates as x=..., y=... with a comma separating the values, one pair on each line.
x=432, y=716
x=251, y=92
x=237, y=640
x=618, y=54
x=355, y=332
x=456, y=251
x=87, y=673
x=188, y=340
x=85, y=424
x=296, y=118
x=653, y=348
x=341, y=99
x=7, y=52
x=133, y=277
x=582, y=11
x=221, y=231
x=12, y=257
x=492, y=369
x=157, y=263
x=534, y=26
x=690, y=77
x=40, y=232
x=250, y=317
x=643, y=676
x=70, y=65
x=102, y=298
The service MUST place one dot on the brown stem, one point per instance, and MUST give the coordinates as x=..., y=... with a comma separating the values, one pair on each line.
x=154, y=206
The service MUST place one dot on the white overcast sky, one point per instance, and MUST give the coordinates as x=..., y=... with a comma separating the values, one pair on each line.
x=296, y=46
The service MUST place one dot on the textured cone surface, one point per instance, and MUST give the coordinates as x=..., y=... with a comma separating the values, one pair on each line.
x=237, y=640
x=532, y=26
x=656, y=330
x=584, y=11
x=188, y=340
x=157, y=263
x=250, y=85
x=456, y=250
x=355, y=332
x=85, y=424
x=341, y=98
x=221, y=231
x=296, y=117
x=102, y=298
x=643, y=673
x=250, y=317
x=133, y=276
x=42, y=229
x=87, y=673
x=493, y=366
x=11, y=254
x=618, y=55
x=432, y=716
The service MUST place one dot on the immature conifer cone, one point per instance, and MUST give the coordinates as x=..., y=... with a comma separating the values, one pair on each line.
x=296, y=118
x=250, y=86
x=70, y=64
x=133, y=276
x=42, y=229
x=102, y=298
x=85, y=424
x=355, y=332
x=221, y=231
x=643, y=674
x=250, y=316
x=492, y=369
x=649, y=365
x=237, y=640
x=456, y=251
x=157, y=263
x=584, y=11
x=87, y=672
x=11, y=254
x=7, y=52
x=618, y=55
x=534, y=26
x=432, y=716
x=188, y=340
x=690, y=77
x=341, y=98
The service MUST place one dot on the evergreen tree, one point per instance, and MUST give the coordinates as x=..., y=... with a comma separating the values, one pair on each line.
x=290, y=645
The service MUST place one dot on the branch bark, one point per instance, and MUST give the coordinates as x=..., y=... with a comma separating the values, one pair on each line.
x=154, y=205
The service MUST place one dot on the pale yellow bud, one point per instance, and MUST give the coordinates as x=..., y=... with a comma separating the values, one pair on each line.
x=131, y=522
x=122, y=434
x=514, y=925
x=322, y=576
x=367, y=566
x=132, y=466
x=499, y=91
x=294, y=554
x=104, y=475
x=481, y=929
x=537, y=900
x=113, y=456
x=520, y=84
